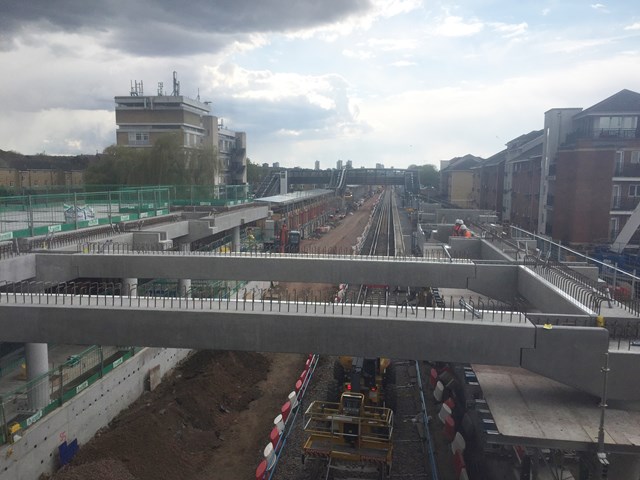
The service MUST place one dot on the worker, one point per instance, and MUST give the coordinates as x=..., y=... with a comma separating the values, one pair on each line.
x=456, y=227
x=464, y=231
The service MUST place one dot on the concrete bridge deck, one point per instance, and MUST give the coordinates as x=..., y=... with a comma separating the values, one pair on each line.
x=571, y=355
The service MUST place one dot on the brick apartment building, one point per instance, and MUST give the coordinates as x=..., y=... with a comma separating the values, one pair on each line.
x=591, y=185
x=488, y=180
x=576, y=181
x=22, y=173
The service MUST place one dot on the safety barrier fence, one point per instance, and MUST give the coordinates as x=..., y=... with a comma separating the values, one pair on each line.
x=31, y=402
x=304, y=302
x=285, y=421
x=11, y=363
x=36, y=215
x=44, y=214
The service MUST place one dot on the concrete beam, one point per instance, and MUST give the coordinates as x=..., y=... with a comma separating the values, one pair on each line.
x=17, y=269
x=451, y=336
x=285, y=268
x=573, y=356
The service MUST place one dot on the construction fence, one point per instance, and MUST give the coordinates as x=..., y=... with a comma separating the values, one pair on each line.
x=36, y=215
x=52, y=389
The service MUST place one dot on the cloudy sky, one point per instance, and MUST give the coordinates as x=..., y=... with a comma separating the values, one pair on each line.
x=397, y=82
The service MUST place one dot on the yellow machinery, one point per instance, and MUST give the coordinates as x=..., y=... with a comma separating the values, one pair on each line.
x=368, y=376
x=349, y=433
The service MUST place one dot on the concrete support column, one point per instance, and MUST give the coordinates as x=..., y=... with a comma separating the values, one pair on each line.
x=37, y=358
x=624, y=467
x=130, y=287
x=184, y=284
x=235, y=239
x=184, y=287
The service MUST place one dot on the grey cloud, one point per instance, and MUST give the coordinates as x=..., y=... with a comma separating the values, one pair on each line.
x=161, y=27
x=268, y=117
x=295, y=114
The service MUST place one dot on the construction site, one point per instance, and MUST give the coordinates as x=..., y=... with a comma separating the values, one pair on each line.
x=387, y=345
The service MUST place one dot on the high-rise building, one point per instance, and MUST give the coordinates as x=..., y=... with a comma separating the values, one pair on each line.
x=143, y=119
x=317, y=166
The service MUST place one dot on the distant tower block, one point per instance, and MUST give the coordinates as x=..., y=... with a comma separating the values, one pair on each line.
x=160, y=89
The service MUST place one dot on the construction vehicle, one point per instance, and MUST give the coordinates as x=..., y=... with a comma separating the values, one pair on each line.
x=278, y=238
x=289, y=240
x=274, y=292
x=349, y=436
x=368, y=376
x=293, y=241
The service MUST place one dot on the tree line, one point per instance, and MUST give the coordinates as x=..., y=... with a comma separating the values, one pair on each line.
x=167, y=162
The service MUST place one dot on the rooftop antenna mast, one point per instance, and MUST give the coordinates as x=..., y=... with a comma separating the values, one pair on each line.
x=137, y=89
x=176, y=85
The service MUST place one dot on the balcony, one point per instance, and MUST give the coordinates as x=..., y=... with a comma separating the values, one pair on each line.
x=603, y=134
x=624, y=203
x=627, y=170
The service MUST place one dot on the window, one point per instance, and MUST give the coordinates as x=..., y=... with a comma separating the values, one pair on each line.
x=634, y=190
x=617, y=122
x=635, y=156
x=138, y=138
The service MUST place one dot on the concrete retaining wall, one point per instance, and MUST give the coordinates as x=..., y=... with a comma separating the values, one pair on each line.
x=82, y=416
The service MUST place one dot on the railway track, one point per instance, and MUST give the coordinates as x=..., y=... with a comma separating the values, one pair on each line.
x=412, y=453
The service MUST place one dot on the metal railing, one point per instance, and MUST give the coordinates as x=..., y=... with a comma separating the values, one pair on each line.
x=314, y=252
x=307, y=302
x=623, y=286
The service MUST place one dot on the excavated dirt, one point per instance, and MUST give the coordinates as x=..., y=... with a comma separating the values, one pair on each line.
x=210, y=418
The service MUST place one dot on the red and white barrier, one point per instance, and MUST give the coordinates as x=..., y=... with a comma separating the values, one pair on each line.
x=444, y=413
x=274, y=437
x=293, y=399
x=449, y=429
x=458, y=444
x=261, y=471
x=269, y=455
x=285, y=410
x=270, y=452
x=279, y=423
x=438, y=392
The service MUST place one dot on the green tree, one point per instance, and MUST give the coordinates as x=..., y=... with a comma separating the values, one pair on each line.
x=168, y=162
x=117, y=165
x=429, y=175
x=203, y=166
x=255, y=172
